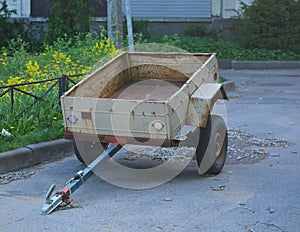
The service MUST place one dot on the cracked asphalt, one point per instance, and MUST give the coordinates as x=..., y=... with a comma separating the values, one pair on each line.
x=258, y=189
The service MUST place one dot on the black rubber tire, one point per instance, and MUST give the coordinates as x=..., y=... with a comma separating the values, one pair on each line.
x=213, y=141
x=89, y=149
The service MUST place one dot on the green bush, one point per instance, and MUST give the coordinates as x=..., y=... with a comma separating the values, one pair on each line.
x=9, y=28
x=69, y=17
x=226, y=49
x=140, y=32
x=201, y=31
x=140, y=27
x=271, y=24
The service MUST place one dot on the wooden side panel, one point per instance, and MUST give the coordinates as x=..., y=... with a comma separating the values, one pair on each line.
x=116, y=117
x=186, y=64
x=95, y=83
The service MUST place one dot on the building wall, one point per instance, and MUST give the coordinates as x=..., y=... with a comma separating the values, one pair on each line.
x=21, y=6
x=227, y=8
x=164, y=10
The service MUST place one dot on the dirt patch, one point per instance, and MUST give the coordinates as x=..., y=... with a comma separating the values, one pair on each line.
x=245, y=148
x=12, y=176
x=149, y=157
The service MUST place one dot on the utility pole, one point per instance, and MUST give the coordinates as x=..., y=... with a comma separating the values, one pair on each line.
x=114, y=22
x=129, y=25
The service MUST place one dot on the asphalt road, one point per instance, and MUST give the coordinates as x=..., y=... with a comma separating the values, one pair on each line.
x=258, y=189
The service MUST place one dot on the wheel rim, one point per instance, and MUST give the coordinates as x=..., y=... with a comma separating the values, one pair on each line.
x=219, y=141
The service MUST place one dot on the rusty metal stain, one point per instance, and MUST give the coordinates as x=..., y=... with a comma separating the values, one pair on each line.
x=215, y=76
x=197, y=116
x=204, y=117
x=153, y=114
x=86, y=122
x=132, y=113
x=86, y=115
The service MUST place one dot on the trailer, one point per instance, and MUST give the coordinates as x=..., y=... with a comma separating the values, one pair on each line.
x=144, y=98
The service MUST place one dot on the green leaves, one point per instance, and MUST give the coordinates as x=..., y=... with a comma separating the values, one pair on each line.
x=271, y=24
x=227, y=49
x=68, y=17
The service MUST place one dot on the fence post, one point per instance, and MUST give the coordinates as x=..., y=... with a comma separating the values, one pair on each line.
x=12, y=99
x=63, y=85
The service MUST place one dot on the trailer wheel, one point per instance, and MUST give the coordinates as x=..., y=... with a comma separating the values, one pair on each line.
x=87, y=151
x=212, y=146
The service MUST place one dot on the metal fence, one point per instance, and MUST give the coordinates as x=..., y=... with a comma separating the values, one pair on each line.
x=62, y=82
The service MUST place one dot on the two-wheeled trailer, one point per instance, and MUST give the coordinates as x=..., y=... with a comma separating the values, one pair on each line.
x=144, y=98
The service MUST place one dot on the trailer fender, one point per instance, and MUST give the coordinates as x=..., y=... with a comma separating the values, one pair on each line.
x=202, y=101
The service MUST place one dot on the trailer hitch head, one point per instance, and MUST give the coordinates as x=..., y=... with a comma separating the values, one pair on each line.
x=63, y=196
x=49, y=193
x=51, y=203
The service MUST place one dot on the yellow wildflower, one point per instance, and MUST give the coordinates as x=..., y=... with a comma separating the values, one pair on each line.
x=32, y=68
x=68, y=60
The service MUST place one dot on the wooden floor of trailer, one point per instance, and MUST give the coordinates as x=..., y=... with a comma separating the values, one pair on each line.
x=155, y=90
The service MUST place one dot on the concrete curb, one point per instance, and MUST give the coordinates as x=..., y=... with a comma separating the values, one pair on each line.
x=258, y=65
x=34, y=154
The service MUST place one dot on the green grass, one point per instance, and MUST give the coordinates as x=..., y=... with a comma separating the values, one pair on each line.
x=30, y=123
x=222, y=79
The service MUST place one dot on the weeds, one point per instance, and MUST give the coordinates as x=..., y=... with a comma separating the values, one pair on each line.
x=32, y=122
